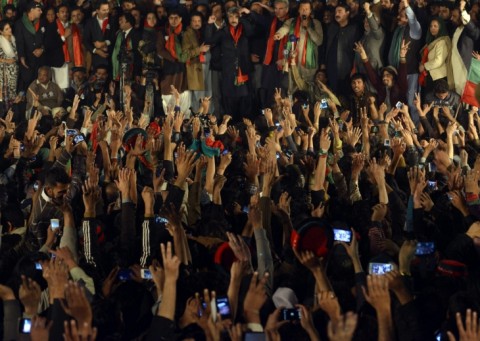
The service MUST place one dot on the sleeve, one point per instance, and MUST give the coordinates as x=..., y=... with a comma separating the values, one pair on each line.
x=161, y=329
x=150, y=241
x=19, y=39
x=415, y=28
x=285, y=28
x=69, y=239
x=11, y=314
x=265, y=207
x=315, y=33
x=87, y=36
x=264, y=258
x=58, y=316
x=190, y=51
x=373, y=77
x=78, y=274
x=194, y=210
x=162, y=51
x=299, y=81
x=472, y=30
x=439, y=58
x=127, y=233
x=377, y=30
x=90, y=241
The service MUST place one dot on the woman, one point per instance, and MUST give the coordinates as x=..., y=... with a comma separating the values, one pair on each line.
x=148, y=45
x=436, y=55
x=50, y=15
x=8, y=62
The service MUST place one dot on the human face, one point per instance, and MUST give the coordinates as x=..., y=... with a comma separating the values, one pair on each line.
x=321, y=77
x=37, y=13
x=161, y=13
x=341, y=15
x=332, y=3
x=57, y=193
x=327, y=17
x=203, y=9
x=358, y=87
x=402, y=19
x=386, y=4
x=434, y=28
x=43, y=76
x=103, y=11
x=305, y=10
x=77, y=16
x=127, y=6
x=353, y=6
x=233, y=19
x=151, y=19
x=196, y=22
x=174, y=20
x=123, y=24
x=387, y=79
x=101, y=74
x=9, y=14
x=444, y=13
x=62, y=14
x=456, y=17
x=50, y=15
x=281, y=10
x=136, y=14
x=441, y=96
x=7, y=31
x=217, y=12
x=78, y=77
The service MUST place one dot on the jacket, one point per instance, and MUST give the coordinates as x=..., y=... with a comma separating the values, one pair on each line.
x=438, y=63
x=190, y=45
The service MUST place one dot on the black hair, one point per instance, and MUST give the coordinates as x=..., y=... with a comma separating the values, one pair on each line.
x=358, y=75
x=440, y=86
x=197, y=14
x=101, y=3
x=7, y=7
x=4, y=23
x=129, y=18
x=56, y=176
x=57, y=9
x=344, y=6
x=174, y=11
x=100, y=67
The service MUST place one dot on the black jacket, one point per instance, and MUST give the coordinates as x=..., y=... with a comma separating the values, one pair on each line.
x=53, y=46
x=93, y=32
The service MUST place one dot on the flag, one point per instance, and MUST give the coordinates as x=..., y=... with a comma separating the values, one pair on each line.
x=473, y=79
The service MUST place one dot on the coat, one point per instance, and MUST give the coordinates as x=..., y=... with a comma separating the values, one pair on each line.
x=54, y=46
x=190, y=45
x=438, y=63
x=232, y=56
x=92, y=32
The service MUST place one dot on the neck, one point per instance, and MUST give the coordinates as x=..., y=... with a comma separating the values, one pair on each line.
x=343, y=23
x=282, y=18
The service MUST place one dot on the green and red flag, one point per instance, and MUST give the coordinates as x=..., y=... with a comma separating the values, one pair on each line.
x=473, y=80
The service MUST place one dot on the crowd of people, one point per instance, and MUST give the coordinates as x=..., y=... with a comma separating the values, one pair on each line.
x=239, y=170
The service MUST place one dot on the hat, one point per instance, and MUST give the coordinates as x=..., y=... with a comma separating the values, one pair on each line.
x=390, y=69
x=57, y=110
x=285, y=298
x=33, y=4
x=452, y=268
x=314, y=235
x=131, y=136
x=79, y=69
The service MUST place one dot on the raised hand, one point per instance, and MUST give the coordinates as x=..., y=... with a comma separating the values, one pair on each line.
x=77, y=306
x=29, y=294
x=470, y=331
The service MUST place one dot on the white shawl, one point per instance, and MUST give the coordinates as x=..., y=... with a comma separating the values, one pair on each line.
x=6, y=46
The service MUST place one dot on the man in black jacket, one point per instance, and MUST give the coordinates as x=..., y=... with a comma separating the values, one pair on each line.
x=98, y=36
x=126, y=48
x=29, y=35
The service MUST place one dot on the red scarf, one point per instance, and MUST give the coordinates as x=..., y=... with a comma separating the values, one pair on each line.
x=271, y=44
x=61, y=30
x=236, y=34
x=77, y=46
x=104, y=25
x=201, y=56
x=422, y=77
x=170, y=44
x=37, y=25
x=296, y=32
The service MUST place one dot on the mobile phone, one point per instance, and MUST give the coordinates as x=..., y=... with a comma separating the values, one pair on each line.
x=399, y=105
x=160, y=220
x=24, y=326
x=449, y=197
x=38, y=266
x=254, y=336
x=263, y=112
x=35, y=186
x=245, y=209
x=290, y=314
x=71, y=132
x=341, y=235
x=278, y=156
x=305, y=105
x=78, y=138
x=223, y=307
x=425, y=248
x=54, y=224
x=379, y=268
x=374, y=130
x=386, y=143
x=432, y=185
x=432, y=167
x=225, y=152
x=323, y=104
x=124, y=275
x=146, y=274
x=22, y=147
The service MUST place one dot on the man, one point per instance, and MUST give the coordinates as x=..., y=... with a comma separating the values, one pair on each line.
x=216, y=64
x=78, y=86
x=409, y=31
x=392, y=86
x=448, y=102
x=464, y=41
x=29, y=32
x=338, y=53
x=43, y=93
x=308, y=35
x=198, y=72
x=98, y=35
x=9, y=12
x=126, y=49
x=71, y=37
x=273, y=75
x=236, y=63
x=174, y=73
x=77, y=23
x=128, y=5
x=360, y=97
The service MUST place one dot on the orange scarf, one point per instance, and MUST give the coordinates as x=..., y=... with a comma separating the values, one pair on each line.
x=236, y=34
x=170, y=45
x=77, y=46
x=61, y=30
x=271, y=44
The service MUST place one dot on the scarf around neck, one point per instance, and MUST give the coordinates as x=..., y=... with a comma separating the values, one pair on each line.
x=308, y=56
x=7, y=46
x=236, y=33
x=173, y=44
x=394, y=53
x=29, y=25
